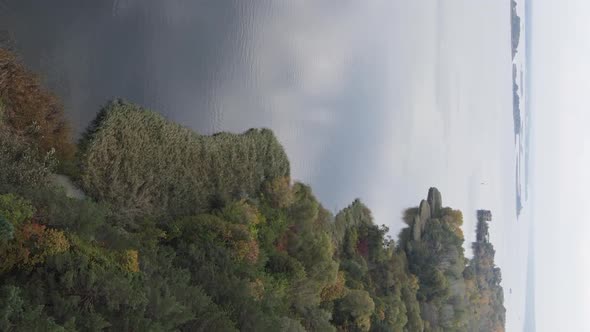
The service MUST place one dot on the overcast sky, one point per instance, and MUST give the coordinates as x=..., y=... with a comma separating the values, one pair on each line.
x=561, y=106
x=372, y=99
x=375, y=99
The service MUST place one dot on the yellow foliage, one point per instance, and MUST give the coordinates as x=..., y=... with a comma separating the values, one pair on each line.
x=243, y=213
x=130, y=260
x=247, y=250
x=250, y=214
x=55, y=242
x=257, y=289
x=278, y=192
x=32, y=244
x=381, y=314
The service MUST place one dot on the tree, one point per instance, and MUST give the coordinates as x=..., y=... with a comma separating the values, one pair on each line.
x=355, y=310
x=31, y=110
x=17, y=314
x=15, y=209
x=278, y=192
x=162, y=168
x=185, y=232
x=32, y=244
x=21, y=163
x=6, y=230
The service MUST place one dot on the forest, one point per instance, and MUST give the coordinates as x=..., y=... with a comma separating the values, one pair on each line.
x=185, y=232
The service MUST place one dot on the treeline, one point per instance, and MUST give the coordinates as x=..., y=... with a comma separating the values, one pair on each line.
x=184, y=232
x=516, y=104
x=514, y=28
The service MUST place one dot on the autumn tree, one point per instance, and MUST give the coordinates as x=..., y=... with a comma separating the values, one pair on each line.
x=30, y=109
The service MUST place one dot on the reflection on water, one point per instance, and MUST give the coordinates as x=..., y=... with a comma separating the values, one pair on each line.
x=375, y=99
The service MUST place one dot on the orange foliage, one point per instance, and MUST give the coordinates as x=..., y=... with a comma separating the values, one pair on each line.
x=335, y=290
x=30, y=109
x=32, y=244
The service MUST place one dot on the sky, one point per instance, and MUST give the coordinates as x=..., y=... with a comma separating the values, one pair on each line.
x=561, y=106
x=377, y=100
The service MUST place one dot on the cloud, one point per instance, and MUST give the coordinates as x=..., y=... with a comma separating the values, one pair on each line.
x=372, y=99
x=308, y=70
x=560, y=99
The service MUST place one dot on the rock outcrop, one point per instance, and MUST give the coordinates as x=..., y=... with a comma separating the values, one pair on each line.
x=435, y=202
x=428, y=209
x=417, y=227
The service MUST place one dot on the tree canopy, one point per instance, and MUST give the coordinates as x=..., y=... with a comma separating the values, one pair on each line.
x=185, y=232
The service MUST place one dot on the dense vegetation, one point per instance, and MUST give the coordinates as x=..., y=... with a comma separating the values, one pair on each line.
x=141, y=163
x=184, y=232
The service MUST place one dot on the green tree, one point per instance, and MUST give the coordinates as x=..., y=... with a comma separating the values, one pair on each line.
x=21, y=163
x=154, y=166
x=15, y=209
x=355, y=309
x=17, y=314
x=6, y=230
